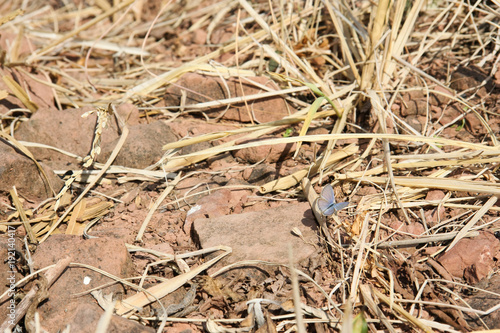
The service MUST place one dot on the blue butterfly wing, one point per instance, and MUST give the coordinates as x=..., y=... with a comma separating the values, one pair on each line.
x=323, y=204
x=326, y=202
x=340, y=206
x=329, y=210
x=328, y=194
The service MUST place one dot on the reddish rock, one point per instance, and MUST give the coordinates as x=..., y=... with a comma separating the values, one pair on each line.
x=476, y=272
x=440, y=96
x=395, y=108
x=164, y=248
x=476, y=255
x=470, y=79
x=268, y=153
x=213, y=205
x=223, y=35
x=414, y=229
x=259, y=175
x=8, y=38
x=67, y=130
x=16, y=169
x=436, y=112
x=200, y=36
x=494, y=123
x=129, y=113
x=196, y=127
x=11, y=252
x=414, y=107
x=86, y=316
x=435, y=214
x=62, y=308
x=261, y=235
x=414, y=122
x=317, y=131
x=182, y=328
x=474, y=125
x=367, y=190
x=39, y=93
x=449, y=115
x=143, y=146
x=200, y=89
x=219, y=203
x=484, y=299
x=434, y=195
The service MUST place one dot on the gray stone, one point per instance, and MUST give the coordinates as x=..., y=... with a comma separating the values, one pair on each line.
x=262, y=235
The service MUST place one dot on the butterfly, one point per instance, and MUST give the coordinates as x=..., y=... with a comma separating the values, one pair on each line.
x=326, y=202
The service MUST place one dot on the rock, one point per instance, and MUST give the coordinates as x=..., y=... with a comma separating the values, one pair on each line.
x=259, y=175
x=434, y=195
x=469, y=79
x=474, y=125
x=86, y=316
x=182, y=328
x=219, y=203
x=143, y=146
x=12, y=253
x=439, y=97
x=188, y=127
x=200, y=89
x=62, y=308
x=199, y=36
x=8, y=38
x=195, y=147
x=213, y=205
x=476, y=255
x=414, y=107
x=67, y=130
x=39, y=93
x=193, y=128
x=449, y=115
x=494, y=124
x=317, y=131
x=436, y=214
x=485, y=299
x=261, y=235
x=414, y=229
x=20, y=171
x=414, y=122
x=268, y=153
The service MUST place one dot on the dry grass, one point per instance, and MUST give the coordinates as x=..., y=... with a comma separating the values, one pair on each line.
x=375, y=52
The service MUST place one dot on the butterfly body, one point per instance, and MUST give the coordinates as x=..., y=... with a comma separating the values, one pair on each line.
x=326, y=202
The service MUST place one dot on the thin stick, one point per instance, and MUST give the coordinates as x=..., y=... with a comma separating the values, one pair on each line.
x=424, y=240
x=374, y=308
x=22, y=215
x=402, y=311
x=299, y=318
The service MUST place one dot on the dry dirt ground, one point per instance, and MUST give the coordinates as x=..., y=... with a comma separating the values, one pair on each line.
x=151, y=166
